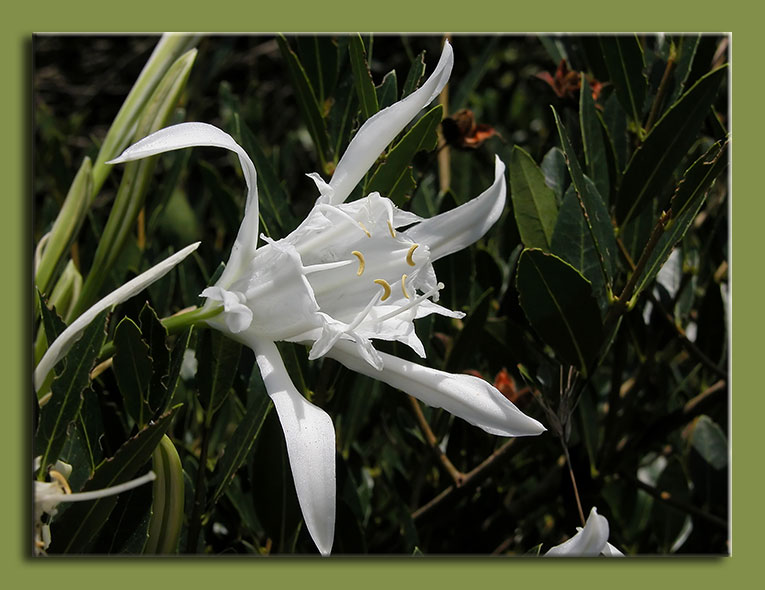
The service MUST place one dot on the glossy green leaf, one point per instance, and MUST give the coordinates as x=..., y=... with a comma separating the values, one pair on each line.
x=615, y=124
x=709, y=441
x=556, y=175
x=239, y=445
x=653, y=164
x=594, y=209
x=685, y=48
x=414, y=76
x=176, y=363
x=217, y=358
x=699, y=177
x=365, y=88
x=534, y=204
x=132, y=369
x=393, y=178
x=155, y=335
x=624, y=60
x=82, y=520
x=168, y=500
x=573, y=242
x=592, y=140
x=318, y=54
x=559, y=305
x=308, y=104
x=71, y=381
x=387, y=91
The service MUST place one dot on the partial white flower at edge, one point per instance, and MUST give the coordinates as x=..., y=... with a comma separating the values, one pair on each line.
x=347, y=275
x=49, y=494
x=590, y=541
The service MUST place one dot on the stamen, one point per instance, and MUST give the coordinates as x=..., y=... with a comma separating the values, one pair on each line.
x=59, y=477
x=366, y=231
x=403, y=286
x=360, y=256
x=409, y=260
x=412, y=303
x=391, y=230
x=325, y=266
x=384, y=284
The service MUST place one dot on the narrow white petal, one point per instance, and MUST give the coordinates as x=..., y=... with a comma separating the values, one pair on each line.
x=61, y=345
x=380, y=129
x=588, y=542
x=186, y=135
x=310, y=438
x=611, y=551
x=465, y=396
x=454, y=230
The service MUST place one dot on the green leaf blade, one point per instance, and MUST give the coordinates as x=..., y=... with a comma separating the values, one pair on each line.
x=534, y=204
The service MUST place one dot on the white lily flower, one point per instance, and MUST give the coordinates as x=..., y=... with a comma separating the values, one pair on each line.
x=590, y=541
x=348, y=274
x=49, y=494
x=63, y=343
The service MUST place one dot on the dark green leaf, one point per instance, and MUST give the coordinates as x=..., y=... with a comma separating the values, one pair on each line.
x=126, y=529
x=132, y=369
x=653, y=164
x=699, y=178
x=387, y=91
x=217, y=358
x=83, y=520
x=176, y=362
x=572, y=241
x=393, y=178
x=468, y=340
x=365, y=88
x=240, y=443
x=559, y=304
x=592, y=140
x=475, y=72
x=534, y=204
x=710, y=442
x=52, y=323
x=318, y=54
x=668, y=520
x=71, y=381
x=556, y=175
x=624, y=60
x=593, y=207
x=416, y=72
x=685, y=47
x=155, y=335
x=307, y=102
x=615, y=124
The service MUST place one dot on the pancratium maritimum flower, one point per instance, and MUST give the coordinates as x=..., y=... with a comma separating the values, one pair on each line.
x=49, y=494
x=348, y=274
x=590, y=541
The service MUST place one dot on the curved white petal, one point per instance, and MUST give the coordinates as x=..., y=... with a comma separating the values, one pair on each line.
x=454, y=230
x=380, y=129
x=186, y=135
x=310, y=438
x=468, y=397
x=588, y=542
x=61, y=345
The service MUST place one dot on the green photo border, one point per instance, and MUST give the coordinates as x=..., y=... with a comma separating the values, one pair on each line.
x=391, y=16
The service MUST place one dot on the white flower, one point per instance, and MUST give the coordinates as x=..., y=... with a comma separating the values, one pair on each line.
x=590, y=541
x=49, y=494
x=348, y=274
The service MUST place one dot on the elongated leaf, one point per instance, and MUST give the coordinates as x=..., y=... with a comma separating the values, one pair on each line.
x=393, y=178
x=218, y=358
x=413, y=78
x=53, y=325
x=365, y=88
x=168, y=500
x=593, y=207
x=592, y=140
x=318, y=55
x=685, y=52
x=699, y=177
x=477, y=70
x=534, y=204
x=387, y=91
x=652, y=165
x=241, y=442
x=554, y=168
x=82, y=520
x=307, y=102
x=132, y=369
x=559, y=304
x=624, y=60
x=71, y=381
x=615, y=124
x=155, y=336
x=176, y=362
x=710, y=442
x=572, y=241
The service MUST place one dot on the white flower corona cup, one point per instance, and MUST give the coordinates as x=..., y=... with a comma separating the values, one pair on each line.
x=346, y=276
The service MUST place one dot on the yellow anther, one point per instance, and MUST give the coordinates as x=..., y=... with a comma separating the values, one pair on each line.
x=386, y=288
x=59, y=477
x=366, y=231
x=409, y=260
x=403, y=286
x=360, y=256
x=391, y=230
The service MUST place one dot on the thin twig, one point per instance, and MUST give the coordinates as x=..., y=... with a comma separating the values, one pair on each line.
x=573, y=481
x=663, y=85
x=455, y=473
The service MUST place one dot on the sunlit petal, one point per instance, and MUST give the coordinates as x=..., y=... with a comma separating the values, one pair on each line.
x=61, y=345
x=588, y=542
x=310, y=438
